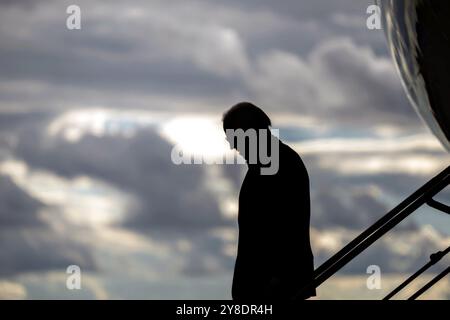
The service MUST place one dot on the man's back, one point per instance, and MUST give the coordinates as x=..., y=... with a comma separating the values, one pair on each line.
x=274, y=254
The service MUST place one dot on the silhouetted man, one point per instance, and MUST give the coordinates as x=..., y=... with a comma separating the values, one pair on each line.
x=274, y=259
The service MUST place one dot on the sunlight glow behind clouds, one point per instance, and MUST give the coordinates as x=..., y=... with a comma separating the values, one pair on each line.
x=197, y=135
x=419, y=164
x=202, y=135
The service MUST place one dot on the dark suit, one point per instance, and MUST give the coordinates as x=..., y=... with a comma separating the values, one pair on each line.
x=274, y=258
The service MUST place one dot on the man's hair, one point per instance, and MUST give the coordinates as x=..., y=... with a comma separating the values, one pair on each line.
x=245, y=115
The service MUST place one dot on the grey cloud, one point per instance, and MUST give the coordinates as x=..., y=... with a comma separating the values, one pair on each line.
x=235, y=174
x=27, y=242
x=27, y=4
x=204, y=53
x=154, y=53
x=14, y=122
x=345, y=205
x=40, y=250
x=338, y=82
x=207, y=257
x=17, y=208
x=301, y=9
x=352, y=208
x=167, y=195
x=357, y=201
x=395, y=183
x=171, y=202
x=403, y=252
x=368, y=80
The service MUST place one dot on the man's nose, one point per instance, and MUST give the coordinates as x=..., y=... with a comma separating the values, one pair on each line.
x=230, y=142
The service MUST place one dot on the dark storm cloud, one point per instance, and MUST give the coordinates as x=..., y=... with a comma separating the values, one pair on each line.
x=170, y=202
x=298, y=26
x=207, y=53
x=354, y=204
x=167, y=195
x=338, y=82
x=370, y=82
x=61, y=70
x=14, y=122
x=17, y=208
x=356, y=201
x=400, y=252
x=40, y=250
x=110, y=54
x=343, y=206
x=301, y=9
x=399, y=184
x=206, y=257
x=21, y=3
x=27, y=242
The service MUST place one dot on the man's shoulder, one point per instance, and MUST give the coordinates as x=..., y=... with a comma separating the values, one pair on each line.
x=290, y=161
x=288, y=154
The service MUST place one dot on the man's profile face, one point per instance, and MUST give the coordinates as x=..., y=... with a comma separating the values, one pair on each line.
x=231, y=138
x=242, y=140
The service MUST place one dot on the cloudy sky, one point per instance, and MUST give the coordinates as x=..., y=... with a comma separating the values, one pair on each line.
x=88, y=120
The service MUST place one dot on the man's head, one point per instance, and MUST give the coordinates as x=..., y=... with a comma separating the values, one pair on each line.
x=245, y=115
x=247, y=129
